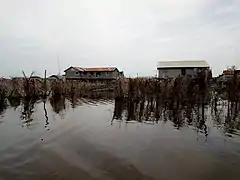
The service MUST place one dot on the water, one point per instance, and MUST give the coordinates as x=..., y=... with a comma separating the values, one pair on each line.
x=96, y=140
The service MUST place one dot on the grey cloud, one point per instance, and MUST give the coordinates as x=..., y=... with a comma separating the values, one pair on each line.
x=132, y=35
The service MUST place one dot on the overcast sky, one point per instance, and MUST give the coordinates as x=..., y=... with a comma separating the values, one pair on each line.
x=132, y=35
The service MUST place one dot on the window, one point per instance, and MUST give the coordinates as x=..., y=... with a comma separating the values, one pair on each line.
x=98, y=74
x=77, y=73
x=183, y=72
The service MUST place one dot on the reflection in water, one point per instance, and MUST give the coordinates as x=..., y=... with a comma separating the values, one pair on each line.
x=58, y=104
x=151, y=109
x=46, y=114
x=14, y=102
x=89, y=149
x=27, y=114
x=75, y=102
x=3, y=107
x=195, y=115
x=118, y=110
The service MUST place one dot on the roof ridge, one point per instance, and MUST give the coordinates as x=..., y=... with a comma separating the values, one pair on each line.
x=78, y=68
x=182, y=60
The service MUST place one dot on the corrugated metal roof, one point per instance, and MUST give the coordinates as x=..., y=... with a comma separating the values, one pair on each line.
x=188, y=63
x=93, y=69
x=78, y=68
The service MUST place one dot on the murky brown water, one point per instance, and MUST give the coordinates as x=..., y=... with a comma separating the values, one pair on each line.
x=57, y=140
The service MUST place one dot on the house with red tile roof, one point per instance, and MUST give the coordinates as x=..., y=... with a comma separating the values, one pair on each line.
x=96, y=73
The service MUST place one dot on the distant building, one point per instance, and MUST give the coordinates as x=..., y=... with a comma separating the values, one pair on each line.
x=228, y=74
x=56, y=77
x=238, y=71
x=171, y=69
x=36, y=77
x=102, y=73
x=53, y=77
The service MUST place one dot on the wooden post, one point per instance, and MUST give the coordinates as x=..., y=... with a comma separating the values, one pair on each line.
x=45, y=82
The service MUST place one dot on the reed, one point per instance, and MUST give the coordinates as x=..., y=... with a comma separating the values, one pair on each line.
x=30, y=87
x=3, y=89
x=76, y=88
x=174, y=94
x=183, y=100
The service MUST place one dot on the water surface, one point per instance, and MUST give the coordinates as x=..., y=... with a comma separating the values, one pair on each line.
x=100, y=140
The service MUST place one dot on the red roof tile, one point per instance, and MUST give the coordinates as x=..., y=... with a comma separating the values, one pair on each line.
x=101, y=69
x=109, y=69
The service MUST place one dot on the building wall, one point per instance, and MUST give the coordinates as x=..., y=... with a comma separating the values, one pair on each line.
x=73, y=74
x=191, y=72
x=163, y=73
x=178, y=71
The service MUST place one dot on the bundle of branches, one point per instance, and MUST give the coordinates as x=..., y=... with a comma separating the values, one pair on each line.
x=3, y=89
x=32, y=87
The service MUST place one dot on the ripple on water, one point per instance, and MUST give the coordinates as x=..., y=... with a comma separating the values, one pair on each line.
x=106, y=139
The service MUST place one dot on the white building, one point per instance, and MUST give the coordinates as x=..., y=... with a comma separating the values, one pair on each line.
x=171, y=69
